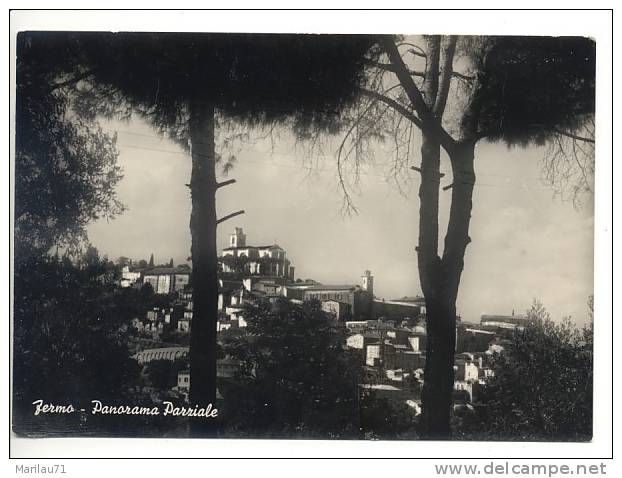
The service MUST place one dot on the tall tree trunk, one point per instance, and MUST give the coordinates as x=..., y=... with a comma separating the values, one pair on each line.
x=457, y=238
x=204, y=263
x=440, y=278
x=435, y=419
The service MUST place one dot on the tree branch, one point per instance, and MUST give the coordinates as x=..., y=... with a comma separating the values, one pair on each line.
x=414, y=95
x=426, y=119
x=348, y=203
x=416, y=49
x=445, y=77
x=392, y=68
x=225, y=183
x=576, y=159
x=397, y=106
x=430, y=83
x=229, y=216
x=574, y=136
x=71, y=81
x=432, y=172
x=462, y=76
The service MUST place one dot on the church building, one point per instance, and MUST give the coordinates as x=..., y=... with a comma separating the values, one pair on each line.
x=269, y=260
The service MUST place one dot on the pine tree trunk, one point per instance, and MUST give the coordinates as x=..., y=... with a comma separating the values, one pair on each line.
x=204, y=263
x=440, y=278
x=439, y=371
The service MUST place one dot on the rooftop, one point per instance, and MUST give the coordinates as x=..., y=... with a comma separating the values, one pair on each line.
x=167, y=270
x=405, y=303
x=273, y=246
x=229, y=285
x=415, y=299
x=332, y=287
x=511, y=319
x=380, y=386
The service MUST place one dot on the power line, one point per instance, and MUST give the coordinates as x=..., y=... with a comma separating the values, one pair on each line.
x=185, y=154
x=326, y=171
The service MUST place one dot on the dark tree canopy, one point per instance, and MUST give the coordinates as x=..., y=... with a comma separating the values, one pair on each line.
x=536, y=86
x=65, y=166
x=297, y=379
x=256, y=78
x=68, y=342
x=543, y=384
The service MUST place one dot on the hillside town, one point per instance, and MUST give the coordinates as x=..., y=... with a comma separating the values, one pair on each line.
x=388, y=334
x=399, y=208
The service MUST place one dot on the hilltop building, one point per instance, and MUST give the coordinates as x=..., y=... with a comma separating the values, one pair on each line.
x=345, y=301
x=508, y=322
x=267, y=260
x=397, y=309
x=165, y=280
x=129, y=277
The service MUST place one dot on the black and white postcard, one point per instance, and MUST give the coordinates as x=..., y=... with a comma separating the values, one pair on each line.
x=293, y=235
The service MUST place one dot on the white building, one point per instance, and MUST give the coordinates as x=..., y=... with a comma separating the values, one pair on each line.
x=356, y=325
x=507, y=322
x=165, y=280
x=223, y=325
x=128, y=277
x=372, y=356
x=415, y=343
x=396, y=375
x=461, y=385
x=183, y=380
x=183, y=325
x=269, y=260
x=356, y=341
x=337, y=309
x=416, y=405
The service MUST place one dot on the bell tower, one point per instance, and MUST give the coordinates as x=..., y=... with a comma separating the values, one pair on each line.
x=368, y=282
x=238, y=238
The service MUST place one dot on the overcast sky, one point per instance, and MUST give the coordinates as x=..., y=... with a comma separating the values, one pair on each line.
x=526, y=244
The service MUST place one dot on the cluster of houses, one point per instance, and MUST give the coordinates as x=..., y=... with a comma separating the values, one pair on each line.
x=393, y=353
x=247, y=273
x=390, y=335
x=163, y=280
